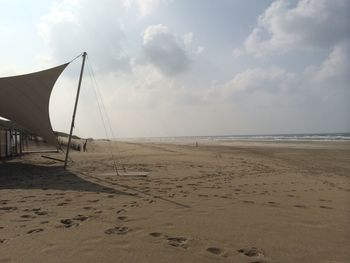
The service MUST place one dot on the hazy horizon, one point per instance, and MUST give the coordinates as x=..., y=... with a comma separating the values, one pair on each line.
x=169, y=68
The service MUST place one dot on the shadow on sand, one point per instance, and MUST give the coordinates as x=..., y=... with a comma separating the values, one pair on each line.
x=16, y=175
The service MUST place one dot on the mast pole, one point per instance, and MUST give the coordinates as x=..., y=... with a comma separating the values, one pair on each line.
x=75, y=109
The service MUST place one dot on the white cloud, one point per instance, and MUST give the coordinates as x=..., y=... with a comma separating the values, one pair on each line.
x=237, y=52
x=337, y=63
x=152, y=32
x=188, y=39
x=200, y=50
x=161, y=49
x=274, y=99
x=260, y=80
x=74, y=26
x=146, y=7
x=309, y=24
x=127, y=3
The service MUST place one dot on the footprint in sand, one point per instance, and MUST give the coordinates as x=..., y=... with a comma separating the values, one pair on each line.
x=41, y=213
x=119, y=230
x=134, y=204
x=80, y=218
x=252, y=252
x=178, y=242
x=248, y=201
x=93, y=201
x=28, y=216
x=300, y=206
x=271, y=203
x=67, y=223
x=326, y=207
x=122, y=218
x=35, y=230
x=8, y=208
x=121, y=211
x=214, y=250
x=155, y=234
x=89, y=208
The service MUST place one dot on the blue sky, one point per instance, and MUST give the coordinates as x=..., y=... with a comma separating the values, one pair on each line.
x=189, y=67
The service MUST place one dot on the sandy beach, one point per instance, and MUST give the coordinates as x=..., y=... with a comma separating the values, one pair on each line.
x=218, y=202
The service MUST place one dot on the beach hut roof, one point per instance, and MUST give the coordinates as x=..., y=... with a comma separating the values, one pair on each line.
x=24, y=99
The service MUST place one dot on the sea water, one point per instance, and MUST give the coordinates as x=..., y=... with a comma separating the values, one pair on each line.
x=287, y=137
x=265, y=137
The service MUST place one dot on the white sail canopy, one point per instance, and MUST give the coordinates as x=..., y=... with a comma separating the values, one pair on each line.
x=24, y=99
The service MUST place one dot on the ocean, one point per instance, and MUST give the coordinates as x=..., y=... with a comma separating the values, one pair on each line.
x=267, y=137
x=286, y=137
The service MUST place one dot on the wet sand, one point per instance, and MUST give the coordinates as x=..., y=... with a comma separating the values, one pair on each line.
x=219, y=202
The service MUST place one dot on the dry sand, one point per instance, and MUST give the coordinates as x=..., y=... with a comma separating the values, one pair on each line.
x=223, y=202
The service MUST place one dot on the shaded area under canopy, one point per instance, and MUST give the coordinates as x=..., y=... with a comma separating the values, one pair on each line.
x=17, y=175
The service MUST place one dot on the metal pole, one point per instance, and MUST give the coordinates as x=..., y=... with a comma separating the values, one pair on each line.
x=75, y=109
x=0, y=142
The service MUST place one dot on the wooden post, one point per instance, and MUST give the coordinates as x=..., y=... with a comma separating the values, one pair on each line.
x=11, y=142
x=20, y=143
x=6, y=143
x=0, y=143
x=75, y=110
x=16, y=143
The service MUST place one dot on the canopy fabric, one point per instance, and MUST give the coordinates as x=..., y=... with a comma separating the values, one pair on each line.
x=24, y=99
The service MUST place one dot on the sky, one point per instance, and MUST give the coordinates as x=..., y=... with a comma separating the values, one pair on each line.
x=187, y=67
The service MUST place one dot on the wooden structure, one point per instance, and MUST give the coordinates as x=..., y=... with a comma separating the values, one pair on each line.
x=10, y=143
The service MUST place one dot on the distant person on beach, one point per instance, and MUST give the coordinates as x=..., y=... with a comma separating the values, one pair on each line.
x=196, y=144
x=84, y=146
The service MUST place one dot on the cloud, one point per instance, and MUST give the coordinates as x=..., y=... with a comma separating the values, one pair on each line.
x=188, y=40
x=315, y=81
x=277, y=100
x=309, y=24
x=146, y=7
x=336, y=65
x=260, y=80
x=74, y=26
x=161, y=49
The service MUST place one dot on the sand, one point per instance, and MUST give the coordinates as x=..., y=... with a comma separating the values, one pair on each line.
x=219, y=202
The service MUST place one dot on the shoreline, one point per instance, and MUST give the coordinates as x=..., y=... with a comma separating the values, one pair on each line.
x=246, y=143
